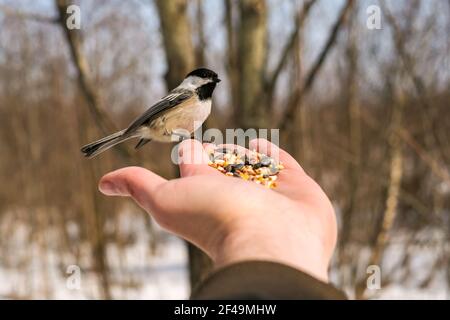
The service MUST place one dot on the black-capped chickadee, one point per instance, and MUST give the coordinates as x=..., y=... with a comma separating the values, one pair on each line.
x=179, y=114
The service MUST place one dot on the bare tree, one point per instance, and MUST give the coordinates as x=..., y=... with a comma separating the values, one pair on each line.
x=272, y=78
x=393, y=193
x=181, y=59
x=177, y=38
x=252, y=54
x=298, y=94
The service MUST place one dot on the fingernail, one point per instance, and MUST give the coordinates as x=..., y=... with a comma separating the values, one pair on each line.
x=107, y=188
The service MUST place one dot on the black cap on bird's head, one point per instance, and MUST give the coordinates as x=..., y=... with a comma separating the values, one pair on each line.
x=204, y=74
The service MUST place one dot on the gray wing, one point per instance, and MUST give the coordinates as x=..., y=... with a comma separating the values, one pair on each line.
x=174, y=98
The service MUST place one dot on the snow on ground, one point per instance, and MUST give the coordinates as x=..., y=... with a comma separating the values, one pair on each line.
x=163, y=276
x=138, y=273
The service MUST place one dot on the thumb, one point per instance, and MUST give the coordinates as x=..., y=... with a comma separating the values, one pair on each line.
x=135, y=182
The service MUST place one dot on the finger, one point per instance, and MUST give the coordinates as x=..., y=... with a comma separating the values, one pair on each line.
x=272, y=150
x=136, y=182
x=209, y=147
x=194, y=159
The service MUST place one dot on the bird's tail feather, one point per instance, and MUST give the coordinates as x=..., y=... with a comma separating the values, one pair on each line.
x=92, y=149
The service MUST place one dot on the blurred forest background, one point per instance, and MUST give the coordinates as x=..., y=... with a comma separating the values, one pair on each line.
x=366, y=113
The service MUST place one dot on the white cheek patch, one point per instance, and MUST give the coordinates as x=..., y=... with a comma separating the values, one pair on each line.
x=193, y=82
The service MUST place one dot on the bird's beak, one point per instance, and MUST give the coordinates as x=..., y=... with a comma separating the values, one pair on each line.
x=217, y=80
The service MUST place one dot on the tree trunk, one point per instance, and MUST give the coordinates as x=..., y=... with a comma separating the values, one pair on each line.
x=251, y=63
x=180, y=55
x=393, y=192
x=177, y=38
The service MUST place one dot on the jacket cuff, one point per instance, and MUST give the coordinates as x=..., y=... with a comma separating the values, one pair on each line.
x=263, y=280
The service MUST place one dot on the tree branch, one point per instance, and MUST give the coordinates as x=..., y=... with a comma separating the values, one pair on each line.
x=399, y=42
x=92, y=98
x=299, y=93
x=420, y=92
x=300, y=19
x=27, y=15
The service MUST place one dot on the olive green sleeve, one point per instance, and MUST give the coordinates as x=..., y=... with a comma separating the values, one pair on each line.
x=263, y=280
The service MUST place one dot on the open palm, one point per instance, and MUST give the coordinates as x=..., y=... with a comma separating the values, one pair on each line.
x=235, y=220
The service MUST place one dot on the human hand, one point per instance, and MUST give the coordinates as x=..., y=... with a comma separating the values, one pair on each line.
x=233, y=220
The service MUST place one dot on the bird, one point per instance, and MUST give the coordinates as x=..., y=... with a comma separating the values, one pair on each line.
x=173, y=118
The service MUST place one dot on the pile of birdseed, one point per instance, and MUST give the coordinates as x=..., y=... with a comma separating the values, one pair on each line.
x=250, y=166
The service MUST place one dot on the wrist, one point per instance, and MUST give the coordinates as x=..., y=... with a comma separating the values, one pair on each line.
x=301, y=251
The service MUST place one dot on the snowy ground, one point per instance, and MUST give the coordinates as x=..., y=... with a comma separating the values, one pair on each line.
x=138, y=274
x=164, y=276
